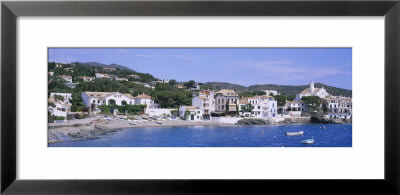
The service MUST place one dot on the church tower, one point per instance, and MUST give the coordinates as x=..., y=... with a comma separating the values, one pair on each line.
x=312, y=86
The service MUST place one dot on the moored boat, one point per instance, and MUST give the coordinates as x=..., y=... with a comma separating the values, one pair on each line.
x=132, y=123
x=294, y=133
x=323, y=127
x=308, y=141
x=158, y=122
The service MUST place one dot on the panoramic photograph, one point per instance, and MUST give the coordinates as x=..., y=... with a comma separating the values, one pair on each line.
x=199, y=97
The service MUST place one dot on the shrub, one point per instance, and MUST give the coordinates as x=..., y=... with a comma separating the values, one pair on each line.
x=59, y=118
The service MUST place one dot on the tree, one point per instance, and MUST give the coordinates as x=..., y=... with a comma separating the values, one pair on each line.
x=281, y=99
x=187, y=113
x=246, y=108
x=59, y=97
x=173, y=82
x=190, y=84
x=312, y=101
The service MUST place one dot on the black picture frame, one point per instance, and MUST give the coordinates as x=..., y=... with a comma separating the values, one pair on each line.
x=11, y=10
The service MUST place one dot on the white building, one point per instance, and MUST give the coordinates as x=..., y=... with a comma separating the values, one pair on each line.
x=105, y=76
x=107, y=98
x=51, y=74
x=158, y=111
x=121, y=79
x=261, y=107
x=134, y=76
x=67, y=78
x=339, y=107
x=66, y=96
x=226, y=97
x=87, y=79
x=194, y=113
x=145, y=100
x=295, y=106
x=269, y=92
x=58, y=107
x=269, y=106
x=206, y=101
x=195, y=88
x=312, y=91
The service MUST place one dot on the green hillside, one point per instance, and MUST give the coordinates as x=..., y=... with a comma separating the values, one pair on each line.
x=284, y=89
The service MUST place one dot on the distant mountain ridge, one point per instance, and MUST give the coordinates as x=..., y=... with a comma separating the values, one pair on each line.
x=121, y=67
x=284, y=89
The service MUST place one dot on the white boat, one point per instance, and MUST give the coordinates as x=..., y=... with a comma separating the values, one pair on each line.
x=308, y=141
x=158, y=122
x=294, y=133
x=132, y=123
x=323, y=127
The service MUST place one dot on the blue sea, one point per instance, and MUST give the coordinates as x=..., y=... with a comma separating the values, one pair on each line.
x=335, y=135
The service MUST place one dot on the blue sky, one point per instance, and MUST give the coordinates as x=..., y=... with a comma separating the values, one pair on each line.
x=244, y=66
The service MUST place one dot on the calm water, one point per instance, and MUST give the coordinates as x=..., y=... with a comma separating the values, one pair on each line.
x=232, y=136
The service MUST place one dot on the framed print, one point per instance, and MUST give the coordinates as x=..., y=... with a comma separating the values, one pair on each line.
x=188, y=97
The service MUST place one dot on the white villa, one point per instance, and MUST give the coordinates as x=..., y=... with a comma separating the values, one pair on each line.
x=206, y=101
x=87, y=79
x=66, y=96
x=226, y=97
x=195, y=88
x=61, y=107
x=145, y=100
x=339, y=107
x=107, y=98
x=121, y=79
x=295, y=106
x=67, y=78
x=312, y=91
x=195, y=113
x=105, y=76
x=269, y=92
x=261, y=106
x=134, y=76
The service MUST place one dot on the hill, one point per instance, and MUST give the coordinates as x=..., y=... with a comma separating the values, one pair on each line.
x=123, y=71
x=96, y=64
x=284, y=89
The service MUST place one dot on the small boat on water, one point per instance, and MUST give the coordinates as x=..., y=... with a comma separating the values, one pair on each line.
x=323, y=127
x=308, y=141
x=158, y=122
x=132, y=123
x=294, y=133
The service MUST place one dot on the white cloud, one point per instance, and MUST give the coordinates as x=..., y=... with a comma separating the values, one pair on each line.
x=285, y=71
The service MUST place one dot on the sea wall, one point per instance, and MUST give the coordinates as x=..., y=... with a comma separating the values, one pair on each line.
x=330, y=121
x=296, y=120
x=226, y=120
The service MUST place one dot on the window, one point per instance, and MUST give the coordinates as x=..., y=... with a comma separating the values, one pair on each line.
x=258, y=107
x=94, y=101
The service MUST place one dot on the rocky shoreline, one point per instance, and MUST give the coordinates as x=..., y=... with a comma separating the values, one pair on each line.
x=95, y=129
x=294, y=120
